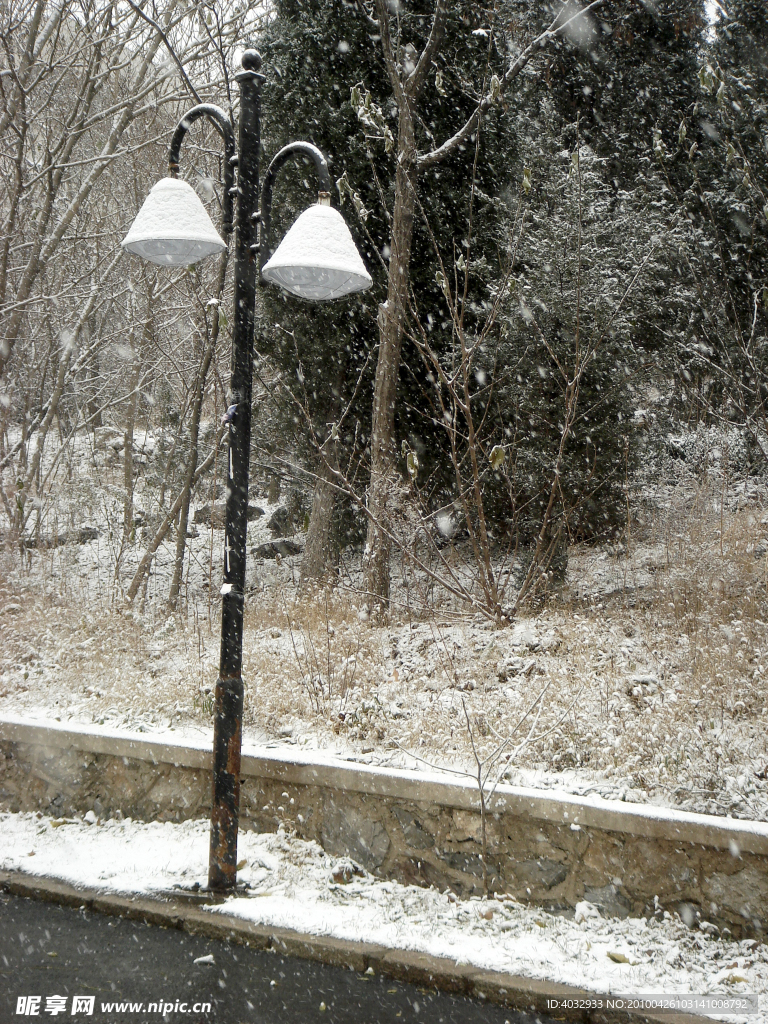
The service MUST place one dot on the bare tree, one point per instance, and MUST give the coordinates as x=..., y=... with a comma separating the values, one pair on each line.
x=408, y=73
x=211, y=335
x=88, y=338
x=318, y=549
x=73, y=86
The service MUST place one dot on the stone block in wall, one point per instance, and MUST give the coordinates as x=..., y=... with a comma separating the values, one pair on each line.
x=63, y=770
x=603, y=858
x=469, y=825
x=423, y=872
x=415, y=835
x=741, y=895
x=177, y=794
x=264, y=807
x=468, y=868
x=659, y=868
x=348, y=831
x=609, y=900
x=539, y=874
x=125, y=783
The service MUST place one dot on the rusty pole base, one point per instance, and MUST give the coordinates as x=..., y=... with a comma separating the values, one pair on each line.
x=225, y=810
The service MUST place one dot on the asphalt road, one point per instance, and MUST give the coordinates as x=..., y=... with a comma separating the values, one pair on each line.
x=48, y=951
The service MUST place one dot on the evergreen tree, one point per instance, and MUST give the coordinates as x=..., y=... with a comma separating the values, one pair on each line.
x=724, y=354
x=316, y=54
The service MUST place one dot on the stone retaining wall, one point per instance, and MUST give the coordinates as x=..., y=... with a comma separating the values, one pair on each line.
x=547, y=848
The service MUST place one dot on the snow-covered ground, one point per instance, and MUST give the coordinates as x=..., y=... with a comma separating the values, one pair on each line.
x=651, y=664
x=295, y=884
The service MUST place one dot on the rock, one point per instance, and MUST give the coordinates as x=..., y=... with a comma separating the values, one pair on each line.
x=203, y=515
x=347, y=832
x=42, y=542
x=218, y=512
x=516, y=667
x=643, y=686
x=509, y=668
x=524, y=636
x=277, y=548
x=344, y=870
x=549, y=644
x=618, y=958
x=585, y=911
x=416, y=871
x=280, y=523
x=677, y=447
x=541, y=873
x=472, y=864
x=739, y=894
x=415, y=836
x=82, y=536
x=107, y=436
x=11, y=609
x=609, y=900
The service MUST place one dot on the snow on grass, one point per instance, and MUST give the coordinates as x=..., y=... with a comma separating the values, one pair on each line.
x=657, y=716
x=295, y=884
x=654, y=655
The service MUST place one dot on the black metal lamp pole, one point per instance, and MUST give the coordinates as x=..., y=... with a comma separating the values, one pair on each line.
x=228, y=704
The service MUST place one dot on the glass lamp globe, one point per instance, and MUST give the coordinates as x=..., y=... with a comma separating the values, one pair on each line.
x=173, y=228
x=318, y=259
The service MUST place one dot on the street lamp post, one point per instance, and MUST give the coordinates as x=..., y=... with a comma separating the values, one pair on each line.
x=317, y=260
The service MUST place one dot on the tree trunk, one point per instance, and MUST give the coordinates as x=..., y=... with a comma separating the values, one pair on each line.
x=194, y=431
x=391, y=320
x=51, y=233
x=316, y=565
x=273, y=494
x=189, y=476
x=146, y=561
x=130, y=425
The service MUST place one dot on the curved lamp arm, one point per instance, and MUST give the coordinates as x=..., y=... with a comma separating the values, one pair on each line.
x=265, y=214
x=220, y=119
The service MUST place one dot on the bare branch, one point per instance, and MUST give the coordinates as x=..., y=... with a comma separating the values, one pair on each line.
x=370, y=21
x=390, y=58
x=545, y=38
x=171, y=49
x=415, y=81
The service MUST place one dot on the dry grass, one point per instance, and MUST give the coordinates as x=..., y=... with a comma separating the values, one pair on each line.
x=653, y=661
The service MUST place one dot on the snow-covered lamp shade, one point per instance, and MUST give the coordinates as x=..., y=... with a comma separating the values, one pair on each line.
x=173, y=227
x=318, y=259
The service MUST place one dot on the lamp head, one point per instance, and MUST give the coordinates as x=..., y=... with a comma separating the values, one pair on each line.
x=318, y=259
x=173, y=227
